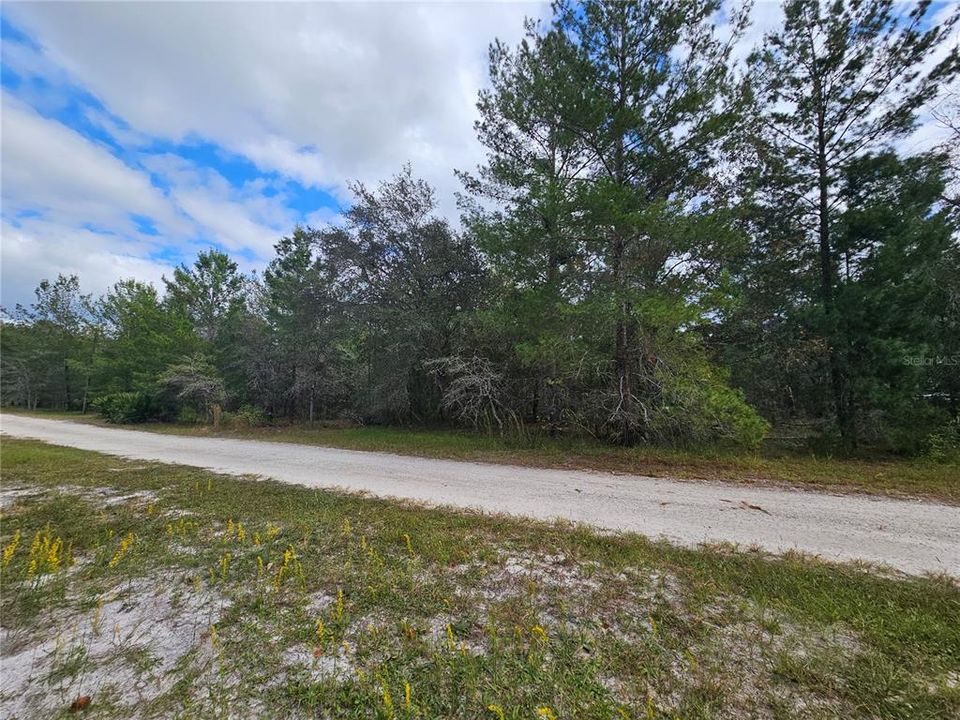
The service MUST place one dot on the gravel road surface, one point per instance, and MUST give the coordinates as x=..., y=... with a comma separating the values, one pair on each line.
x=912, y=536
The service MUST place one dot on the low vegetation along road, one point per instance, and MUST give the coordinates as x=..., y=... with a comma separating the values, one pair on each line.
x=911, y=536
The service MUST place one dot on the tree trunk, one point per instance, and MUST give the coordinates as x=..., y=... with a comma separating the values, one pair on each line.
x=93, y=358
x=217, y=412
x=838, y=378
x=622, y=351
x=66, y=383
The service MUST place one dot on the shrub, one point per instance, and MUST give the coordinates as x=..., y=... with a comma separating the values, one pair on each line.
x=127, y=407
x=249, y=416
x=694, y=403
x=704, y=410
x=188, y=415
x=907, y=428
x=944, y=444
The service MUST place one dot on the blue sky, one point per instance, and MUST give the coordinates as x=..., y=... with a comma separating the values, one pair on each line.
x=136, y=134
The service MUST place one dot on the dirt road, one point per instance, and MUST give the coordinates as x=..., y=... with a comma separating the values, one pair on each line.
x=911, y=536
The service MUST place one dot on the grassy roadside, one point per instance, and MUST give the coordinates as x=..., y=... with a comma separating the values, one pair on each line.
x=174, y=592
x=894, y=477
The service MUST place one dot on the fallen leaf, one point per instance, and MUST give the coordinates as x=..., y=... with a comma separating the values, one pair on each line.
x=81, y=703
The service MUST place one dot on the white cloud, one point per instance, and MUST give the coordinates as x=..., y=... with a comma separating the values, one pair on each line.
x=240, y=218
x=68, y=201
x=305, y=165
x=50, y=168
x=323, y=93
x=40, y=249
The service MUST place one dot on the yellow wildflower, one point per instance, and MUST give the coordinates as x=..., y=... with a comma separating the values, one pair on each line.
x=496, y=710
x=97, y=615
x=387, y=698
x=11, y=548
x=125, y=544
x=451, y=643
x=539, y=633
x=53, y=555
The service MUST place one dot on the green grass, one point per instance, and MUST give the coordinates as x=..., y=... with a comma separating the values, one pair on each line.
x=468, y=610
x=773, y=465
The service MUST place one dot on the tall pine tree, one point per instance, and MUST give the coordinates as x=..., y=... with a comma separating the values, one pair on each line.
x=838, y=81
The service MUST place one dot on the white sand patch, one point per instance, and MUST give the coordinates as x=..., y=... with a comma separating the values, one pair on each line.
x=130, y=644
x=332, y=663
x=441, y=637
x=10, y=496
x=545, y=573
x=102, y=496
x=109, y=496
x=318, y=602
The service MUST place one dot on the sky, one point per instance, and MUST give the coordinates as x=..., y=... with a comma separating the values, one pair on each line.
x=136, y=134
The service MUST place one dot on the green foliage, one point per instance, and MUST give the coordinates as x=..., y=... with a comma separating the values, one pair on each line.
x=943, y=445
x=143, y=336
x=188, y=415
x=127, y=407
x=51, y=347
x=210, y=292
x=250, y=416
x=700, y=408
x=601, y=138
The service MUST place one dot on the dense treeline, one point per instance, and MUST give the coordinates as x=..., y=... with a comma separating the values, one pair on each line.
x=664, y=245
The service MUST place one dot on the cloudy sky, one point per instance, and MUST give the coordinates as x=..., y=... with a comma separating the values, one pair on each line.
x=136, y=134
